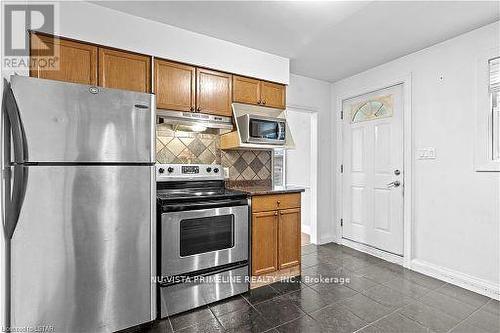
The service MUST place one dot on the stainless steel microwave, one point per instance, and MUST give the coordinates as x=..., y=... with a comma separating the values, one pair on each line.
x=262, y=130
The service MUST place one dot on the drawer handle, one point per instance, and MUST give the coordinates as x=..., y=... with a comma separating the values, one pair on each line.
x=278, y=202
x=275, y=213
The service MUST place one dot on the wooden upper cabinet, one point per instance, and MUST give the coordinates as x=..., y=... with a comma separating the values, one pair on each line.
x=273, y=95
x=124, y=70
x=175, y=86
x=289, y=238
x=213, y=92
x=76, y=62
x=264, y=242
x=257, y=92
x=246, y=90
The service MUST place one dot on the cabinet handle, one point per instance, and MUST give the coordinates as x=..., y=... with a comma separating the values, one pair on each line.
x=264, y=102
x=198, y=109
x=281, y=212
x=258, y=102
x=192, y=109
x=278, y=202
x=275, y=213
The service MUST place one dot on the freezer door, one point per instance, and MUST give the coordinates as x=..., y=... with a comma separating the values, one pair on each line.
x=67, y=122
x=81, y=251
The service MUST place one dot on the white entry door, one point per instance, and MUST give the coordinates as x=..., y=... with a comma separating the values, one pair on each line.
x=373, y=169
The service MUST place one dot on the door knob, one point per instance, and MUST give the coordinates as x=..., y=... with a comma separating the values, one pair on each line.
x=395, y=183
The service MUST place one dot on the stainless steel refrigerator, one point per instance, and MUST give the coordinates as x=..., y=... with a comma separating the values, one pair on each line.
x=79, y=197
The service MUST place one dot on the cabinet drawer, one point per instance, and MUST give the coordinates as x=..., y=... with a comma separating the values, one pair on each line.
x=263, y=203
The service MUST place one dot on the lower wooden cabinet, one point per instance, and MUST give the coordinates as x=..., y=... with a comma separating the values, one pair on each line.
x=264, y=242
x=276, y=234
x=289, y=238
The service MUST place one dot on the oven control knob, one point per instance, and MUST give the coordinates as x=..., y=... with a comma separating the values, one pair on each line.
x=161, y=170
x=209, y=169
x=216, y=170
x=170, y=169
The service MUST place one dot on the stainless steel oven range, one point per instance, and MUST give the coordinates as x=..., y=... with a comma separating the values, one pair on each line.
x=203, y=233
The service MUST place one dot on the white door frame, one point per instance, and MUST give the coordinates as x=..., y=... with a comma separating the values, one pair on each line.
x=313, y=165
x=407, y=162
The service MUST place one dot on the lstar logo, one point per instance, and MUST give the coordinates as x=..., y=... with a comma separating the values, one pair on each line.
x=18, y=20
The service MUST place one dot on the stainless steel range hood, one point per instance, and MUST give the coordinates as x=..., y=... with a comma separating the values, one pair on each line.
x=196, y=122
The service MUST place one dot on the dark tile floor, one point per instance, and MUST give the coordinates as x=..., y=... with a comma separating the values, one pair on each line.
x=343, y=290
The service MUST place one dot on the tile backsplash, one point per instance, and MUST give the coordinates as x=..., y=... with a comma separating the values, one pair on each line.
x=248, y=164
x=186, y=147
x=178, y=147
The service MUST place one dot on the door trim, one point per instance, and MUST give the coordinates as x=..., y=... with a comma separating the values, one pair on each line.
x=313, y=229
x=405, y=80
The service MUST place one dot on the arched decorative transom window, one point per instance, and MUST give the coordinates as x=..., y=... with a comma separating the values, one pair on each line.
x=375, y=108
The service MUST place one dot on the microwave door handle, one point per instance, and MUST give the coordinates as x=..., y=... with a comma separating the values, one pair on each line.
x=281, y=126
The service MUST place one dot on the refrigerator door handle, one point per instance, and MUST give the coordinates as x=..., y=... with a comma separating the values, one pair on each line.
x=18, y=136
x=20, y=181
x=15, y=196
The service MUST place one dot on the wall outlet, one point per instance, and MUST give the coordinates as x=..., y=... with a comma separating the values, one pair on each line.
x=226, y=173
x=428, y=153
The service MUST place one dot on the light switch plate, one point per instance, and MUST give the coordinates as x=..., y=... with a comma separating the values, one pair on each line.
x=427, y=153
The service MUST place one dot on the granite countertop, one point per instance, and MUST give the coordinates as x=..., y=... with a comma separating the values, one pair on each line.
x=262, y=188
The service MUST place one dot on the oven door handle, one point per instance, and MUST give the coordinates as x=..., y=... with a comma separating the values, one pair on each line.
x=204, y=273
x=177, y=207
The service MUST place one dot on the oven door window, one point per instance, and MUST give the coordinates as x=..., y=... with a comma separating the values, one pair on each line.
x=206, y=234
x=264, y=129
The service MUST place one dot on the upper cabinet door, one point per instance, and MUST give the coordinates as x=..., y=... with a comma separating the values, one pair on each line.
x=123, y=70
x=175, y=86
x=213, y=92
x=246, y=90
x=273, y=95
x=77, y=62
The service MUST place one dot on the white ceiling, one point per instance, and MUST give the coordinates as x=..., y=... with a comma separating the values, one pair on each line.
x=324, y=40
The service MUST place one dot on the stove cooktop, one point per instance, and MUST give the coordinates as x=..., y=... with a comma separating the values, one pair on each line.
x=197, y=194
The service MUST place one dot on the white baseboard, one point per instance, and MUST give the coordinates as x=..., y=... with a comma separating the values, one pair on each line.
x=326, y=239
x=466, y=281
x=460, y=279
x=306, y=229
x=373, y=251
